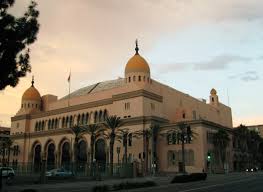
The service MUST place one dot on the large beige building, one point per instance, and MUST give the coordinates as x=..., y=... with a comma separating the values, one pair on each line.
x=41, y=126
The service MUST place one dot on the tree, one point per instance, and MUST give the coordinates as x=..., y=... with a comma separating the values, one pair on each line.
x=16, y=34
x=112, y=123
x=147, y=134
x=221, y=141
x=78, y=131
x=92, y=129
x=186, y=135
x=9, y=144
x=182, y=133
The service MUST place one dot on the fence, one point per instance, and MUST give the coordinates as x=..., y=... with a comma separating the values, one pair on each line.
x=79, y=169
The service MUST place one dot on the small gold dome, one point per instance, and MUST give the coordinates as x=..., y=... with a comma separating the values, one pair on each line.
x=137, y=64
x=31, y=94
x=213, y=92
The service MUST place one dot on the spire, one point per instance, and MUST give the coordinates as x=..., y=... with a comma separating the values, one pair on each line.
x=136, y=48
x=32, y=82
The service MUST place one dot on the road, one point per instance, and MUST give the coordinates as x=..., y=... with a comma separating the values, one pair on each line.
x=246, y=182
x=234, y=182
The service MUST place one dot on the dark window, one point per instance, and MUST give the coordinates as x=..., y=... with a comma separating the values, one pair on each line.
x=129, y=79
x=139, y=78
x=130, y=139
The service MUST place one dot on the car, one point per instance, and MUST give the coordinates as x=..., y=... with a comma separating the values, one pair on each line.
x=60, y=172
x=7, y=172
x=253, y=169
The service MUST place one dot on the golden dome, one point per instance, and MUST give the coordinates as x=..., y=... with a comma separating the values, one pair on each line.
x=137, y=64
x=31, y=93
x=213, y=92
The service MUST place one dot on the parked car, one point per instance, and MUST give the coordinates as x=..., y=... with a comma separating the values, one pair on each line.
x=7, y=172
x=60, y=172
x=253, y=169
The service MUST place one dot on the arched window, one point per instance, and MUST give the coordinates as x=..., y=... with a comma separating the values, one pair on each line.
x=144, y=78
x=148, y=79
x=52, y=124
x=87, y=118
x=56, y=123
x=95, y=116
x=22, y=106
x=71, y=121
x=78, y=119
x=100, y=116
x=183, y=115
x=139, y=79
x=130, y=140
x=67, y=121
x=82, y=119
x=63, y=122
x=28, y=105
x=36, y=126
x=105, y=114
x=43, y=125
x=49, y=124
x=129, y=79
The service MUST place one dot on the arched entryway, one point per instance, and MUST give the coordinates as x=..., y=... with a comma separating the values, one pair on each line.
x=100, y=154
x=82, y=150
x=51, y=156
x=37, y=157
x=65, y=155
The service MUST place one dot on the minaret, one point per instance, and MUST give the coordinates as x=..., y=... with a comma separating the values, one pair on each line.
x=214, y=98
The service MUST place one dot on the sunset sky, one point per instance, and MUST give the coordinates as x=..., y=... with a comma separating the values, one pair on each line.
x=191, y=45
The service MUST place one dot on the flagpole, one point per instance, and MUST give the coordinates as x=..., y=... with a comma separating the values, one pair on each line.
x=69, y=80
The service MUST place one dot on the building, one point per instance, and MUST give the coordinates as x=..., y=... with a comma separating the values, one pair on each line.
x=257, y=128
x=41, y=126
x=4, y=134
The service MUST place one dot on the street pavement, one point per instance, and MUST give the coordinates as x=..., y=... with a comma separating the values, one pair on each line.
x=232, y=182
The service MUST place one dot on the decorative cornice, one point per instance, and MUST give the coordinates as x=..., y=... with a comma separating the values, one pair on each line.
x=117, y=97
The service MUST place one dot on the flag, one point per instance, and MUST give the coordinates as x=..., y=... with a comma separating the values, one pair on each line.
x=69, y=76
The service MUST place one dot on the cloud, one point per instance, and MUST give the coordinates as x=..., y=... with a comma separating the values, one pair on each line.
x=220, y=62
x=247, y=76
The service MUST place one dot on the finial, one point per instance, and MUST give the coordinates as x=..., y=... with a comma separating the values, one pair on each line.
x=32, y=82
x=136, y=48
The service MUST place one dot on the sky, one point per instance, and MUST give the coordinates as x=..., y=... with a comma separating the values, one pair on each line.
x=190, y=45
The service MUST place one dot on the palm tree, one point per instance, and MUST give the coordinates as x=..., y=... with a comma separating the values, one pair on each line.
x=148, y=134
x=154, y=133
x=221, y=141
x=92, y=129
x=78, y=131
x=184, y=135
x=9, y=143
x=122, y=137
x=112, y=123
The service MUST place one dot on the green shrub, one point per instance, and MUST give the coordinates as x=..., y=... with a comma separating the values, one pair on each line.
x=189, y=178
